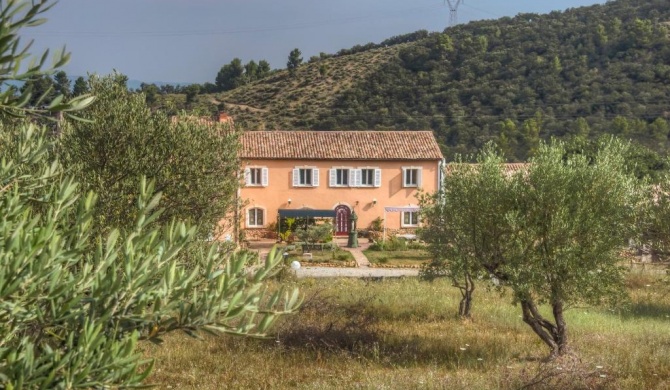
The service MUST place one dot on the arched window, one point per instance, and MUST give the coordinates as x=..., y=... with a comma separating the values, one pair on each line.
x=255, y=217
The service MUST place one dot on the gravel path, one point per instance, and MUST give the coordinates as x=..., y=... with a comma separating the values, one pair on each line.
x=329, y=272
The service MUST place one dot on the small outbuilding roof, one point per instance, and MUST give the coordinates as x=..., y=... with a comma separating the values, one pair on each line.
x=507, y=168
x=340, y=145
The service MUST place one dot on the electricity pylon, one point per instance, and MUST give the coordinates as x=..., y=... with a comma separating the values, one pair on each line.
x=453, y=11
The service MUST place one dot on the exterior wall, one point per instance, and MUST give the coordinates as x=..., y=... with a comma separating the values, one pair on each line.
x=360, y=199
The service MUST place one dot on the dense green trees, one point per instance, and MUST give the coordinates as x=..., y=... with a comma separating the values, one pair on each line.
x=235, y=74
x=192, y=162
x=604, y=66
x=41, y=89
x=551, y=232
x=80, y=86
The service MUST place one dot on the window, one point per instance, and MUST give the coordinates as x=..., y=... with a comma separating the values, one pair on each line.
x=355, y=177
x=410, y=218
x=256, y=176
x=411, y=177
x=305, y=177
x=342, y=177
x=255, y=217
x=371, y=177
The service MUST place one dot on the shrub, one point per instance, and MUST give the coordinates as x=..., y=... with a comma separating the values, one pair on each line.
x=376, y=246
x=377, y=225
x=79, y=303
x=315, y=233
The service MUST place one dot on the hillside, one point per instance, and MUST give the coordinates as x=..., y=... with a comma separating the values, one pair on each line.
x=281, y=101
x=582, y=72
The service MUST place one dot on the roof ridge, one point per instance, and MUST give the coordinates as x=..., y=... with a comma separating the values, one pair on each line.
x=341, y=144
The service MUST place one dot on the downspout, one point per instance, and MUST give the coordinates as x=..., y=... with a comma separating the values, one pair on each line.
x=236, y=218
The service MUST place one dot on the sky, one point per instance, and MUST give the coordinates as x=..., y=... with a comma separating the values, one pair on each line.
x=188, y=41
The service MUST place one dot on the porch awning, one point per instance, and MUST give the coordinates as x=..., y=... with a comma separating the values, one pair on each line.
x=306, y=213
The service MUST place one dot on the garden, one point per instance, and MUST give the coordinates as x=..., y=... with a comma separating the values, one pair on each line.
x=397, y=253
x=312, y=244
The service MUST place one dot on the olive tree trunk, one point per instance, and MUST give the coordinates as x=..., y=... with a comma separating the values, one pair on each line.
x=467, y=289
x=555, y=335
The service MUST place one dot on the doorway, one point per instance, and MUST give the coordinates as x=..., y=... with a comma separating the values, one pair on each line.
x=342, y=216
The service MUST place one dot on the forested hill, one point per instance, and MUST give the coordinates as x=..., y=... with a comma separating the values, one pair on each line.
x=582, y=72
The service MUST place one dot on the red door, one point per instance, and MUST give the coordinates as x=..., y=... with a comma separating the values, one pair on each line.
x=342, y=214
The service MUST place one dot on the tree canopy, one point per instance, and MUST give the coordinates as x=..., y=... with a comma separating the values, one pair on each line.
x=193, y=161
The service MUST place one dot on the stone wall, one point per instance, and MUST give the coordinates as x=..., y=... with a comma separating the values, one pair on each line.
x=257, y=234
x=378, y=236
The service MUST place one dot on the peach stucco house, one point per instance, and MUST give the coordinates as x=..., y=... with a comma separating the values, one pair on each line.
x=377, y=174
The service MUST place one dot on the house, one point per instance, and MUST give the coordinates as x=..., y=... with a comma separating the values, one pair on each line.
x=331, y=174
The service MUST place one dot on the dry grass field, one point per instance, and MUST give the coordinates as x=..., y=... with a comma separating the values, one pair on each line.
x=403, y=334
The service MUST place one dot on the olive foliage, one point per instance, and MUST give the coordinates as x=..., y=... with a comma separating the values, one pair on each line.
x=192, y=160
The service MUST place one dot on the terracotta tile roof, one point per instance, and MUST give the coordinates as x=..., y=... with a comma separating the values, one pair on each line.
x=340, y=145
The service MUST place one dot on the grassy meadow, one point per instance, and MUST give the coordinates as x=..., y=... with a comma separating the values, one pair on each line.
x=403, y=334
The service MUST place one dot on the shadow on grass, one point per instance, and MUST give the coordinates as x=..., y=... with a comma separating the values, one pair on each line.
x=653, y=310
x=325, y=326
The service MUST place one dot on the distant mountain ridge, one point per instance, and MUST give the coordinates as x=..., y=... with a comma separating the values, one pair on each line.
x=135, y=84
x=602, y=69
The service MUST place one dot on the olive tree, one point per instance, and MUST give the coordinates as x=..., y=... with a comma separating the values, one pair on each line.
x=552, y=233
x=74, y=302
x=465, y=224
x=571, y=218
x=73, y=305
x=192, y=161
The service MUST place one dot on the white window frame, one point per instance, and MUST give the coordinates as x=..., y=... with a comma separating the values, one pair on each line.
x=248, y=220
x=249, y=176
x=411, y=213
x=333, y=177
x=376, y=177
x=417, y=180
x=314, y=177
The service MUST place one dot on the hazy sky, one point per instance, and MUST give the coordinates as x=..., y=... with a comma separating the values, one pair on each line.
x=189, y=40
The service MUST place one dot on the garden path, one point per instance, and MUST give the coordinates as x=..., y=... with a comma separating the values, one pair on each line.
x=361, y=260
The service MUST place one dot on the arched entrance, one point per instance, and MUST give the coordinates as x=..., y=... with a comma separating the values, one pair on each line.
x=342, y=215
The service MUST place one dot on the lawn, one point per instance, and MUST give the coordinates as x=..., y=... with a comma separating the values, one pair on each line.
x=403, y=334
x=400, y=258
x=337, y=257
